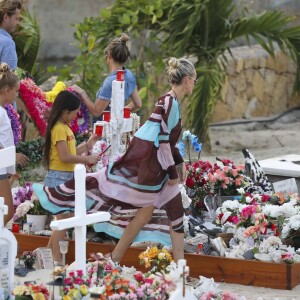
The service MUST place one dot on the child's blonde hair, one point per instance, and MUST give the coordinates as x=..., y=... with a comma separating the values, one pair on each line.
x=7, y=77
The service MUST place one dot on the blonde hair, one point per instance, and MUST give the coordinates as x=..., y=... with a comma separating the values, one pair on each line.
x=179, y=68
x=9, y=7
x=7, y=77
x=118, y=49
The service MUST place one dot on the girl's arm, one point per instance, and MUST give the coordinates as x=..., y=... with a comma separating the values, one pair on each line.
x=66, y=157
x=88, y=145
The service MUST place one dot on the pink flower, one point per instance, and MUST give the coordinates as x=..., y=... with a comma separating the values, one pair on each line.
x=235, y=172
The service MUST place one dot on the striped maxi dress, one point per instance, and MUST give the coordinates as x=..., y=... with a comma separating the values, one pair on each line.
x=138, y=179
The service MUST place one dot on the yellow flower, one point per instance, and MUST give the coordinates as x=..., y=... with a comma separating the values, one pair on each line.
x=38, y=296
x=59, y=86
x=66, y=297
x=161, y=256
x=153, y=252
x=50, y=96
x=21, y=290
x=84, y=290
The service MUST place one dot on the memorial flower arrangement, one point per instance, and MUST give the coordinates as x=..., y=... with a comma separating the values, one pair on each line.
x=226, y=177
x=31, y=291
x=190, y=141
x=15, y=123
x=21, y=193
x=31, y=206
x=76, y=286
x=29, y=258
x=158, y=286
x=156, y=259
x=58, y=87
x=82, y=121
x=98, y=269
x=35, y=101
x=291, y=228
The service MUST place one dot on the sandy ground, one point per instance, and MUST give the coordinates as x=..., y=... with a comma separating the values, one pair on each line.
x=264, y=139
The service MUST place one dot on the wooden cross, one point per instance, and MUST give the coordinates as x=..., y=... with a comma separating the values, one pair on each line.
x=81, y=218
x=8, y=242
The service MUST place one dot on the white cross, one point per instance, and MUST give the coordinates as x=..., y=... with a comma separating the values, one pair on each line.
x=9, y=248
x=118, y=124
x=81, y=219
x=181, y=291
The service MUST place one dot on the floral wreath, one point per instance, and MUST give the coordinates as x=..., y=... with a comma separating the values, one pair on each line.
x=82, y=121
x=15, y=123
x=35, y=101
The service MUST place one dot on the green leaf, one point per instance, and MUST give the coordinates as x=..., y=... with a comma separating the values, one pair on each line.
x=105, y=13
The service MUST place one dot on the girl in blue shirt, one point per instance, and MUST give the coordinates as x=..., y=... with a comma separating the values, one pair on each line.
x=116, y=54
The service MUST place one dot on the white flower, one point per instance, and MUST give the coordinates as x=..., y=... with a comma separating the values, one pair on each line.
x=241, y=191
x=248, y=199
x=23, y=208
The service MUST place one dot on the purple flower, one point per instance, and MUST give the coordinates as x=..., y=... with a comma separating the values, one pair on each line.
x=15, y=122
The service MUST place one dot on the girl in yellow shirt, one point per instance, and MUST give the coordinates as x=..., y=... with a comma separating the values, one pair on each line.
x=61, y=153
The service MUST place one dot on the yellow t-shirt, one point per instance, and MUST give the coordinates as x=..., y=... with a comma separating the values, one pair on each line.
x=61, y=132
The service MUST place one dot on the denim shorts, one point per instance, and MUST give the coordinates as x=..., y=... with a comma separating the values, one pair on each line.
x=55, y=178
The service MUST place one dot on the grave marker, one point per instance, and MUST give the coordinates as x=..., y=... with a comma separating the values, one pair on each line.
x=8, y=242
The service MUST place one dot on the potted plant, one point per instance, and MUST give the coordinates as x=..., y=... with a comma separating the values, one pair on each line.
x=35, y=214
x=29, y=258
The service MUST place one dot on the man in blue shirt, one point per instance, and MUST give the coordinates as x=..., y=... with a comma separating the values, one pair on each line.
x=10, y=11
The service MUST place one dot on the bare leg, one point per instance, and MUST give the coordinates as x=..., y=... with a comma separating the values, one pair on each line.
x=5, y=191
x=177, y=244
x=56, y=236
x=143, y=217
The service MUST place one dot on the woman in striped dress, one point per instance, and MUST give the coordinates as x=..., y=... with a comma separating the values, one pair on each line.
x=141, y=189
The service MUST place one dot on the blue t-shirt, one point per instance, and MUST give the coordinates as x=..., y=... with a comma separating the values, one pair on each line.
x=106, y=88
x=8, y=53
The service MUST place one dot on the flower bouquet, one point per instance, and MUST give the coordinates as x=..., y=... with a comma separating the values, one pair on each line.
x=31, y=291
x=29, y=207
x=157, y=259
x=291, y=230
x=76, y=286
x=29, y=258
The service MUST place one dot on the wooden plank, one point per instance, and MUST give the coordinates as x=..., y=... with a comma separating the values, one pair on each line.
x=245, y=272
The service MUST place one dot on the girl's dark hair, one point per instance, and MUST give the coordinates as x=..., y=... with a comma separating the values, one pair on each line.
x=65, y=100
x=118, y=49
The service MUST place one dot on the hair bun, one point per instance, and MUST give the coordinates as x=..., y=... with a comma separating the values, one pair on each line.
x=124, y=38
x=4, y=68
x=174, y=62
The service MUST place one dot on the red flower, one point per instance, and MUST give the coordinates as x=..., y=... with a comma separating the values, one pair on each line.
x=190, y=182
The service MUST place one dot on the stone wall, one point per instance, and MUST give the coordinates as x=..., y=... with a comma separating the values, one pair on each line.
x=256, y=85
x=55, y=19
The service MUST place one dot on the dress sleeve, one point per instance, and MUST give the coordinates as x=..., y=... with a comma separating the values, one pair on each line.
x=170, y=116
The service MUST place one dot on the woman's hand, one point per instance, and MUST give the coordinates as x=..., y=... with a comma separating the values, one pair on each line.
x=173, y=181
x=182, y=172
x=79, y=90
